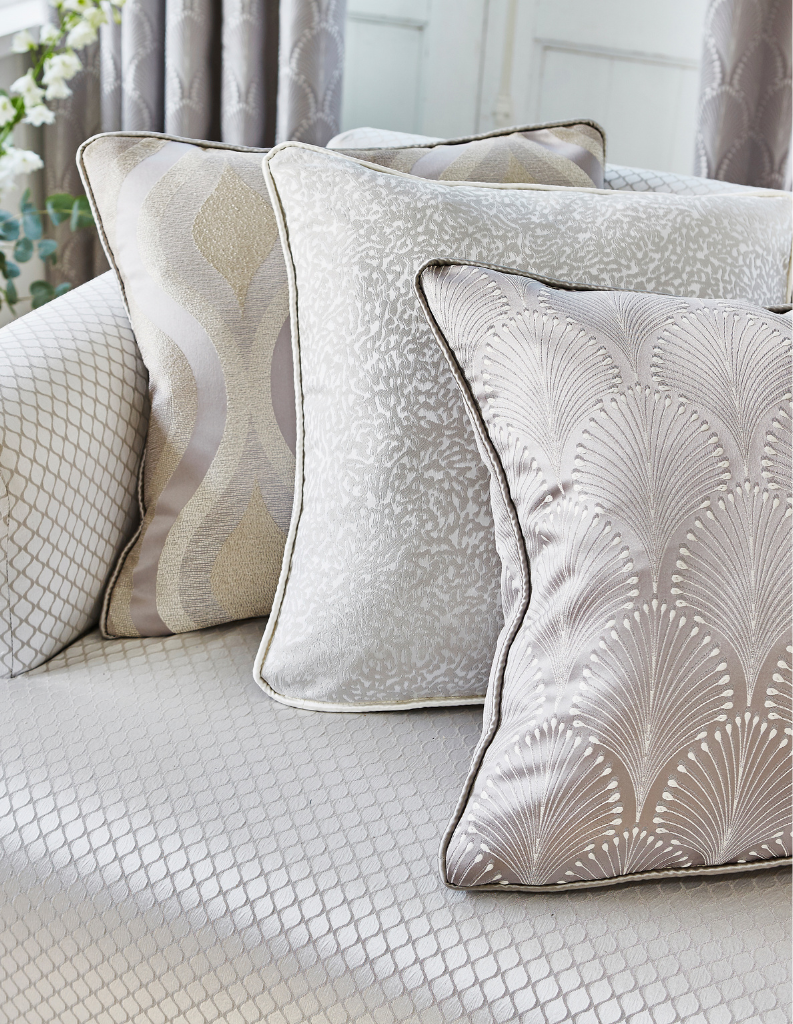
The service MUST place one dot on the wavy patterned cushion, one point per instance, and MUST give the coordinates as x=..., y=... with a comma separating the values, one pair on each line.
x=559, y=153
x=638, y=716
x=191, y=234
x=73, y=414
x=389, y=595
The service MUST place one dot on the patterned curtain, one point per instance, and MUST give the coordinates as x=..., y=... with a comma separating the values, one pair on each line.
x=744, y=126
x=202, y=69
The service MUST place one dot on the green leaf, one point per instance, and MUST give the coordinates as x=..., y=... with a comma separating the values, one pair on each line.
x=5, y=215
x=47, y=248
x=31, y=223
x=59, y=206
x=2, y=263
x=62, y=288
x=11, y=293
x=81, y=214
x=25, y=204
x=9, y=230
x=23, y=250
x=12, y=270
x=41, y=291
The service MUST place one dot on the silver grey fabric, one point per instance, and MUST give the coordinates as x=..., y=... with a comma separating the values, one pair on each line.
x=73, y=416
x=743, y=134
x=639, y=707
x=176, y=847
x=389, y=588
x=311, y=65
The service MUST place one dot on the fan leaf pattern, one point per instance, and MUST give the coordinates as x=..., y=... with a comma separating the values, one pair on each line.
x=738, y=365
x=628, y=321
x=732, y=572
x=628, y=852
x=554, y=788
x=777, y=459
x=635, y=694
x=550, y=374
x=730, y=799
x=779, y=696
x=582, y=576
x=652, y=461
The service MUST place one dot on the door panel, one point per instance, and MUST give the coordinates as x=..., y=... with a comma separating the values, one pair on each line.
x=457, y=67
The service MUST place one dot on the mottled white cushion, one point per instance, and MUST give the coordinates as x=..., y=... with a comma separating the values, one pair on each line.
x=638, y=715
x=389, y=593
x=73, y=415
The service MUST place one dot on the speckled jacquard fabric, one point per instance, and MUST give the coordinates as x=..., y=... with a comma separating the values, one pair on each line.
x=175, y=849
x=390, y=587
x=73, y=415
x=639, y=711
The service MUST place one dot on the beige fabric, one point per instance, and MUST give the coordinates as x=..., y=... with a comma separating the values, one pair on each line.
x=194, y=241
x=560, y=153
x=176, y=847
x=638, y=716
x=389, y=593
x=73, y=414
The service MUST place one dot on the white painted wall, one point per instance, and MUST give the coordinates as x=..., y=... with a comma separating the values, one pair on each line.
x=457, y=67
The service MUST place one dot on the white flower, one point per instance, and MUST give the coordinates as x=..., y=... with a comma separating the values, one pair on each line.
x=7, y=110
x=61, y=65
x=83, y=34
x=95, y=17
x=22, y=42
x=39, y=115
x=15, y=162
x=74, y=5
x=49, y=34
x=57, y=90
x=26, y=87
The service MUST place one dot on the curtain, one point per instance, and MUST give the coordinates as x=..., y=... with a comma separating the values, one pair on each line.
x=202, y=69
x=743, y=134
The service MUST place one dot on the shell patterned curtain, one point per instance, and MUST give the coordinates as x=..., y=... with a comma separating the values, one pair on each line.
x=745, y=95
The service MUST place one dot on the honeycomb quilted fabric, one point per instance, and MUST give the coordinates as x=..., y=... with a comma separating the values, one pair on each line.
x=177, y=849
x=73, y=414
x=639, y=709
x=390, y=587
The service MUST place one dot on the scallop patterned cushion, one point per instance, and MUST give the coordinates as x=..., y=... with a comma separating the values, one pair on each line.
x=638, y=716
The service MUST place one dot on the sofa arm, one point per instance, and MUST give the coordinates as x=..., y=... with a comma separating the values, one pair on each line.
x=73, y=417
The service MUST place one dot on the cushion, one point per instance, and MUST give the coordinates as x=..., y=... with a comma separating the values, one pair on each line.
x=73, y=412
x=189, y=229
x=389, y=592
x=191, y=234
x=560, y=153
x=175, y=847
x=638, y=716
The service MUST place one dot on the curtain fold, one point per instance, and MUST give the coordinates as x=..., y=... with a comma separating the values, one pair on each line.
x=203, y=69
x=744, y=128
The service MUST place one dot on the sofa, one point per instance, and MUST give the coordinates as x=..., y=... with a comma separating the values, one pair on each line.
x=177, y=847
